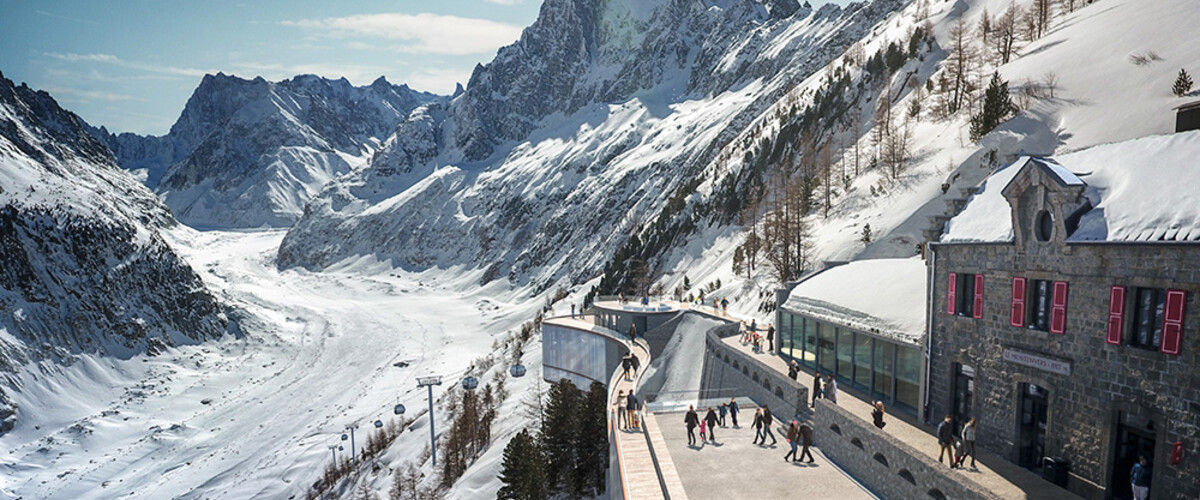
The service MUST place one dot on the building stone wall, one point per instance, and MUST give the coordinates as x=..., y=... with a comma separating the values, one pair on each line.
x=725, y=367
x=1106, y=380
x=889, y=467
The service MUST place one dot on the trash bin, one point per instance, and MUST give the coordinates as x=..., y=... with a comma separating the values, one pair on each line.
x=1054, y=469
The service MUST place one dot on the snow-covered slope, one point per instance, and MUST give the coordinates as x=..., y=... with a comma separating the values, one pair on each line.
x=250, y=153
x=573, y=137
x=83, y=267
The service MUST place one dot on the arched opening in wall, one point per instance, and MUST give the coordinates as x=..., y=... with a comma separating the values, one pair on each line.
x=736, y=365
x=881, y=459
x=746, y=371
x=1045, y=226
x=755, y=377
x=836, y=430
x=779, y=393
x=937, y=494
x=726, y=359
x=856, y=442
x=907, y=476
x=766, y=384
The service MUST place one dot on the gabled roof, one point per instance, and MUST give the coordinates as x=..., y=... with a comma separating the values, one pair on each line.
x=1139, y=190
x=881, y=296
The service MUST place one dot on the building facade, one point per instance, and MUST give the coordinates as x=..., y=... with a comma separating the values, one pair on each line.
x=864, y=322
x=1074, y=335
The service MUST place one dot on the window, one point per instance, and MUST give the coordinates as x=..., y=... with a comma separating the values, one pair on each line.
x=908, y=378
x=845, y=354
x=1148, y=308
x=966, y=295
x=1045, y=226
x=1157, y=321
x=827, y=344
x=862, y=362
x=810, y=343
x=1039, y=305
x=884, y=358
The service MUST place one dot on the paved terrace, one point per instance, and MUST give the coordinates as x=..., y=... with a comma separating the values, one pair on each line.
x=731, y=468
x=1001, y=477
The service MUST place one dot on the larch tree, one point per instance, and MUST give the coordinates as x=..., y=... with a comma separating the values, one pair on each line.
x=1005, y=32
x=959, y=65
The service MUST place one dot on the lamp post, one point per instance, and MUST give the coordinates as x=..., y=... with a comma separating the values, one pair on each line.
x=430, y=382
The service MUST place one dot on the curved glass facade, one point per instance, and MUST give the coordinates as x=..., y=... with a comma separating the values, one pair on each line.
x=887, y=370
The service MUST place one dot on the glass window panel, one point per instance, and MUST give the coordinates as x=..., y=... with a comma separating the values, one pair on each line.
x=810, y=343
x=862, y=362
x=884, y=353
x=908, y=377
x=845, y=355
x=828, y=342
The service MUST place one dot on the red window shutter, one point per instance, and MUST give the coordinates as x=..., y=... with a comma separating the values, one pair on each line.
x=978, y=310
x=1017, y=318
x=950, y=295
x=1058, y=308
x=1173, y=322
x=1116, y=314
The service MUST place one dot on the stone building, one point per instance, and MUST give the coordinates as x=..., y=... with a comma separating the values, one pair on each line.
x=1065, y=316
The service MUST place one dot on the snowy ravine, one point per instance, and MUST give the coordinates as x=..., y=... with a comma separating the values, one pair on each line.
x=253, y=416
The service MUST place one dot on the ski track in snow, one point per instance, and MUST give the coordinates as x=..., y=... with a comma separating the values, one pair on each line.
x=318, y=354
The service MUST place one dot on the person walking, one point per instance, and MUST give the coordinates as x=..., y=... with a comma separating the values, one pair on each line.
x=626, y=364
x=968, y=439
x=831, y=389
x=572, y=310
x=733, y=411
x=771, y=339
x=703, y=429
x=768, y=420
x=631, y=406
x=793, y=439
x=806, y=437
x=877, y=415
x=723, y=409
x=816, y=388
x=758, y=426
x=634, y=363
x=725, y=306
x=692, y=420
x=622, y=417
x=945, y=433
x=753, y=325
x=1139, y=479
x=711, y=419
x=632, y=333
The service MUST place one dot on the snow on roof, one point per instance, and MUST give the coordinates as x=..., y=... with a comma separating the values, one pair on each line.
x=881, y=296
x=1140, y=190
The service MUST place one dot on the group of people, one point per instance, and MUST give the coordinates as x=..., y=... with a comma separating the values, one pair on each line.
x=957, y=449
x=824, y=388
x=798, y=434
x=751, y=336
x=630, y=364
x=627, y=406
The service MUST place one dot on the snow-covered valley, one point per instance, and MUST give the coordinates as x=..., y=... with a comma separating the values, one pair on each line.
x=252, y=416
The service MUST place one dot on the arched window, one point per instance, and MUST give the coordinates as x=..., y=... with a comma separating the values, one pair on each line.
x=904, y=473
x=881, y=459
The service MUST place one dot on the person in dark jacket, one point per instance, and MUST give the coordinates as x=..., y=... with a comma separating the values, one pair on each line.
x=631, y=406
x=793, y=439
x=758, y=425
x=634, y=363
x=733, y=411
x=816, y=388
x=793, y=369
x=806, y=437
x=771, y=339
x=692, y=420
x=723, y=409
x=626, y=364
x=711, y=420
x=945, y=433
x=877, y=415
x=767, y=422
x=1139, y=479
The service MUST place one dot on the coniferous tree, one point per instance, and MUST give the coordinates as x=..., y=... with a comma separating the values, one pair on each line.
x=558, y=435
x=997, y=106
x=1183, y=83
x=523, y=470
x=591, y=442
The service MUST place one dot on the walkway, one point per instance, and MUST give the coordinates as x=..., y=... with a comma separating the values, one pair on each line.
x=635, y=461
x=733, y=469
x=1002, y=477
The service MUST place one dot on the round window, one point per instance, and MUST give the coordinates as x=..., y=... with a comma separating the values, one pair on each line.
x=1045, y=226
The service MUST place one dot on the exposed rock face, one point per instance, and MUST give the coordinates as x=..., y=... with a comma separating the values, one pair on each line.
x=250, y=153
x=573, y=136
x=83, y=268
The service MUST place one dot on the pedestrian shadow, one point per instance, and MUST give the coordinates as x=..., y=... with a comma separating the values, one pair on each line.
x=806, y=465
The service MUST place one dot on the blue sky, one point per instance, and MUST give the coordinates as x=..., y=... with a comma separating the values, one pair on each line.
x=131, y=65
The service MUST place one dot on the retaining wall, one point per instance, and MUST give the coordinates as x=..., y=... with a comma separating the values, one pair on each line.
x=889, y=467
x=727, y=368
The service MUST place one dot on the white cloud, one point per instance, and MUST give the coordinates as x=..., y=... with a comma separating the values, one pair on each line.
x=437, y=80
x=111, y=59
x=506, y=2
x=425, y=33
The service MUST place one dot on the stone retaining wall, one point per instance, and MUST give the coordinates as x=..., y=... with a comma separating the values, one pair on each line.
x=727, y=368
x=889, y=467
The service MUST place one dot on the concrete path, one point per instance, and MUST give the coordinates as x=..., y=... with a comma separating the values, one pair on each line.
x=640, y=473
x=731, y=468
x=998, y=475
